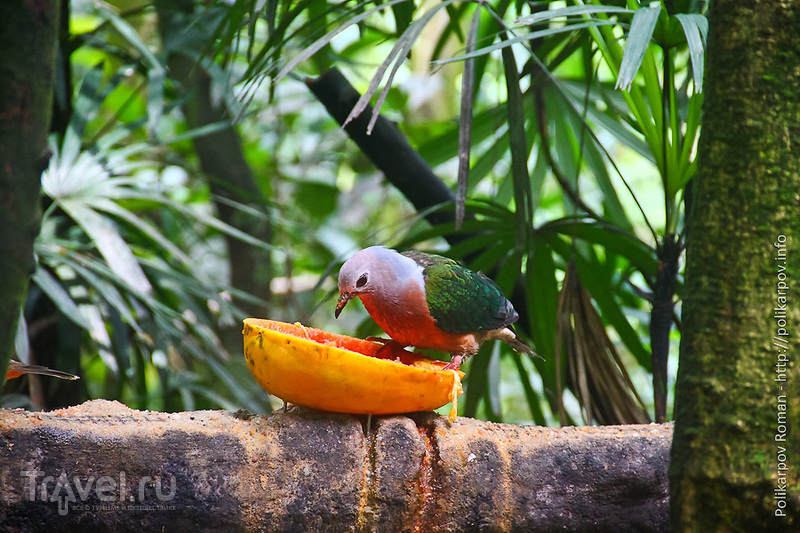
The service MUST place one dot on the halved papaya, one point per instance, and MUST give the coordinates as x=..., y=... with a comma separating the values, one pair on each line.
x=314, y=368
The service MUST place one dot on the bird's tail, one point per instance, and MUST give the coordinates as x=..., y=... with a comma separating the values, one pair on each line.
x=510, y=337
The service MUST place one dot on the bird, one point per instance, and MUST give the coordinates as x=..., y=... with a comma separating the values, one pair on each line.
x=429, y=301
x=16, y=369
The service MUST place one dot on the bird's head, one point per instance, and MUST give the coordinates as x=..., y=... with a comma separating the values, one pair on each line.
x=379, y=273
x=354, y=277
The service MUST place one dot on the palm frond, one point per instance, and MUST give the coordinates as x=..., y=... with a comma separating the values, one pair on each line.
x=595, y=372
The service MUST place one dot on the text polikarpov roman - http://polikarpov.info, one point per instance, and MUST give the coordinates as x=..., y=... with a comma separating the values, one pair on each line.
x=781, y=344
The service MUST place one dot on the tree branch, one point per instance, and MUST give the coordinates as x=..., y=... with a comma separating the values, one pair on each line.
x=386, y=147
x=112, y=468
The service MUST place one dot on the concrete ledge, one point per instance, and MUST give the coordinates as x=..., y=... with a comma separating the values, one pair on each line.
x=101, y=466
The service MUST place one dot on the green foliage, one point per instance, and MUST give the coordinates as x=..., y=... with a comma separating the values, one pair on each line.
x=577, y=136
x=109, y=263
x=557, y=108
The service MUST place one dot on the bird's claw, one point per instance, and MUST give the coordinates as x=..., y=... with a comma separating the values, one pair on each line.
x=455, y=363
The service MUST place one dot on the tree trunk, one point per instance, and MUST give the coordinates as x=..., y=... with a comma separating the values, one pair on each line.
x=28, y=30
x=735, y=465
x=101, y=466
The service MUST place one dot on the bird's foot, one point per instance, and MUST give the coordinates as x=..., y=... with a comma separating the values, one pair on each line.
x=455, y=363
x=392, y=350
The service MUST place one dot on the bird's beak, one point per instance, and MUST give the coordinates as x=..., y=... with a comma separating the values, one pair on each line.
x=343, y=299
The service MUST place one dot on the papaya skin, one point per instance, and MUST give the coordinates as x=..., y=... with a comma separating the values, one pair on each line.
x=329, y=372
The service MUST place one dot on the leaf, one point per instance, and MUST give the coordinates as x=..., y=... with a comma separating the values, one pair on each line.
x=155, y=99
x=202, y=217
x=88, y=99
x=688, y=162
x=595, y=372
x=570, y=11
x=195, y=133
x=542, y=296
x=524, y=38
x=99, y=334
x=534, y=402
x=480, y=242
x=611, y=119
x=442, y=147
x=53, y=289
x=486, y=162
x=478, y=381
x=696, y=29
x=21, y=345
x=494, y=410
x=109, y=243
x=150, y=231
x=403, y=14
x=612, y=206
x=317, y=198
x=465, y=127
x=605, y=296
x=320, y=43
x=155, y=70
x=452, y=30
x=603, y=290
x=397, y=55
x=642, y=26
x=541, y=289
x=224, y=375
x=519, y=148
x=51, y=254
x=612, y=238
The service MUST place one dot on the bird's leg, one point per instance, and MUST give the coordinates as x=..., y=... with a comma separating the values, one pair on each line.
x=455, y=362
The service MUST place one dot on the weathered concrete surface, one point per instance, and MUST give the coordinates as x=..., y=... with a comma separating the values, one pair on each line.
x=103, y=467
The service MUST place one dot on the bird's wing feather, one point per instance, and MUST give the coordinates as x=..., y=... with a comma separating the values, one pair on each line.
x=461, y=300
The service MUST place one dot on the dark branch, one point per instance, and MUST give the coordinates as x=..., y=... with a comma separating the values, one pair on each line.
x=386, y=147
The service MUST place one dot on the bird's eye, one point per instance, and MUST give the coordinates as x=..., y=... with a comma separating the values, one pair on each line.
x=361, y=281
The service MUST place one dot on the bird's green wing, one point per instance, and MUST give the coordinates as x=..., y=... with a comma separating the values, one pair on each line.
x=461, y=300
